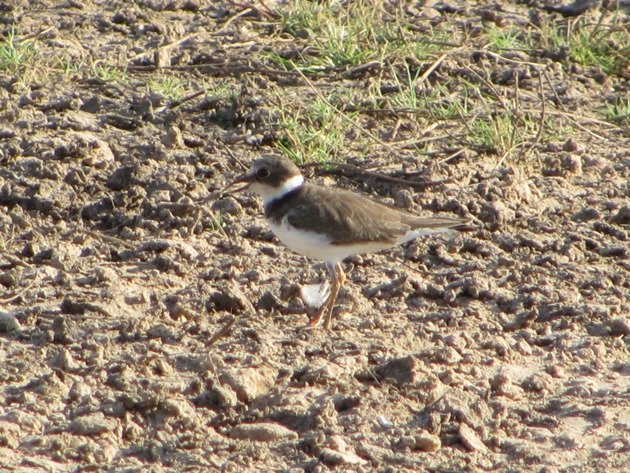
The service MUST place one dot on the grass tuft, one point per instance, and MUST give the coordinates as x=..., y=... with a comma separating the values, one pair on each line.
x=501, y=39
x=602, y=52
x=348, y=34
x=171, y=87
x=16, y=56
x=618, y=111
x=313, y=133
x=606, y=47
x=108, y=73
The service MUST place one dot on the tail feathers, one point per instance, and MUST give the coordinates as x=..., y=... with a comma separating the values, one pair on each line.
x=431, y=225
x=441, y=224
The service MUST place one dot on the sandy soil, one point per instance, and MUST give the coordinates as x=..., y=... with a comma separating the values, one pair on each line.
x=144, y=328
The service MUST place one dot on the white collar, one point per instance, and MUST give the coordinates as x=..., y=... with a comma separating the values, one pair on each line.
x=289, y=185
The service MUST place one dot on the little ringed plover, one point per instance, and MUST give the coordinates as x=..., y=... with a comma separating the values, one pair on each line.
x=331, y=224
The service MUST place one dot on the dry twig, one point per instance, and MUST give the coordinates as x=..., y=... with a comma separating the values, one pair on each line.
x=353, y=172
x=221, y=332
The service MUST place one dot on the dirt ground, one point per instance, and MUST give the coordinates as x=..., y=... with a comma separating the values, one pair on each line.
x=149, y=322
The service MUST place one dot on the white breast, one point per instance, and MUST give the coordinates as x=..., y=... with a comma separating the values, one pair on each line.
x=313, y=245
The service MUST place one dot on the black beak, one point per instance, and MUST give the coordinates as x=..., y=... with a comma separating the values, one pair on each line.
x=243, y=178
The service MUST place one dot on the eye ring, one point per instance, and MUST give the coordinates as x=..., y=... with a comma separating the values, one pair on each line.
x=262, y=173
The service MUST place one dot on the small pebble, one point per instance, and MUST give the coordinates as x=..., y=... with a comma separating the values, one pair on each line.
x=262, y=432
x=8, y=323
x=427, y=442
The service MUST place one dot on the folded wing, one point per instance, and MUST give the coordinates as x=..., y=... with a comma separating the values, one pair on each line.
x=351, y=218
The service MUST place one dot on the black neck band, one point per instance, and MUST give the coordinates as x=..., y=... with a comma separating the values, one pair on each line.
x=275, y=204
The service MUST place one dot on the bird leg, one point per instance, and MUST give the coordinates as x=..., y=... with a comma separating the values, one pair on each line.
x=340, y=278
x=327, y=308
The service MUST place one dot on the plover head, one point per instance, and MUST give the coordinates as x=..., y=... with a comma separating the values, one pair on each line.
x=271, y=177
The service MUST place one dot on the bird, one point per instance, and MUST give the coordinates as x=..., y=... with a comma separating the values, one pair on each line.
x=330, y=224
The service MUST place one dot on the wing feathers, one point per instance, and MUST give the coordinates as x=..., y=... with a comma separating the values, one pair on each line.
x=350, y=218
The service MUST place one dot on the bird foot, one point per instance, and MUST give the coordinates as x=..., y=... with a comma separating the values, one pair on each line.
x=316, y=320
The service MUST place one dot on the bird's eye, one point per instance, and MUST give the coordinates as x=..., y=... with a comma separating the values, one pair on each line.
x=263, y=173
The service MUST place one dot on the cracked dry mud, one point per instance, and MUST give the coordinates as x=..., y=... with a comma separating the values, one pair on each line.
x=502, y=349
